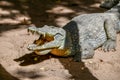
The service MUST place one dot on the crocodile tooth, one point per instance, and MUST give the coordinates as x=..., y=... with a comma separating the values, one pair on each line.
x=28, y=30
x=32, y=32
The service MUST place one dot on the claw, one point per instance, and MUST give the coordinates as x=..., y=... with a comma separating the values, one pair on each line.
x=109, y=46
x=113, y=50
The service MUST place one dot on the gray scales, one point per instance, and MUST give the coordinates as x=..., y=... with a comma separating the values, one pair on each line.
x=82, y=35
x=107, y=4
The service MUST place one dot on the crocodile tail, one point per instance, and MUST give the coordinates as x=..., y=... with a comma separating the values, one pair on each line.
x=61, y=52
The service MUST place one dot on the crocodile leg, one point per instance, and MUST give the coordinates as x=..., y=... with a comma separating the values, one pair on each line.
x=111, y=36
x=87, y=50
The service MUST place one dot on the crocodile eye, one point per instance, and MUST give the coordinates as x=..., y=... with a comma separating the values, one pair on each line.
x=58, y=36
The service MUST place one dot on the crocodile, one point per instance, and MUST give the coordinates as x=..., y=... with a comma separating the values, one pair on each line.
x=79, y=37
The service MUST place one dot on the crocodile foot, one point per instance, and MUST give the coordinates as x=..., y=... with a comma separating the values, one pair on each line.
x=109, y=45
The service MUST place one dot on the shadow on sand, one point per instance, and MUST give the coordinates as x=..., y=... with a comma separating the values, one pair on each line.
x=4, y=75
x=76, y=69
x=31, y=58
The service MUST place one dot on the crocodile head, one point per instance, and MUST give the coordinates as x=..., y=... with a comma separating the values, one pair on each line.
x=52, y=39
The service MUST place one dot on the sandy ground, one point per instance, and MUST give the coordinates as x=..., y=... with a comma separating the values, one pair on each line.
x=17, y=63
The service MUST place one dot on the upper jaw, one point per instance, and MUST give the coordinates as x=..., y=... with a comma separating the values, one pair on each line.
x=32, y=29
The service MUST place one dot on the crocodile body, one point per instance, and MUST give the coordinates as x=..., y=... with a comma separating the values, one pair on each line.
x=93, y=34
x=81, y=35
x=91, y=27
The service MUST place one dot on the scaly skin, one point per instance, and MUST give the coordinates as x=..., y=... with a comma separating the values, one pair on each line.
x=81, y=35
x=107, y=4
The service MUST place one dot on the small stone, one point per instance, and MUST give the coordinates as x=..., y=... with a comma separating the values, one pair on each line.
x=82, y=68
x=66, y=71
x=101, y=60
x=42, y=68
x=86, y=63
x=35, y=59
x=90, y=62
